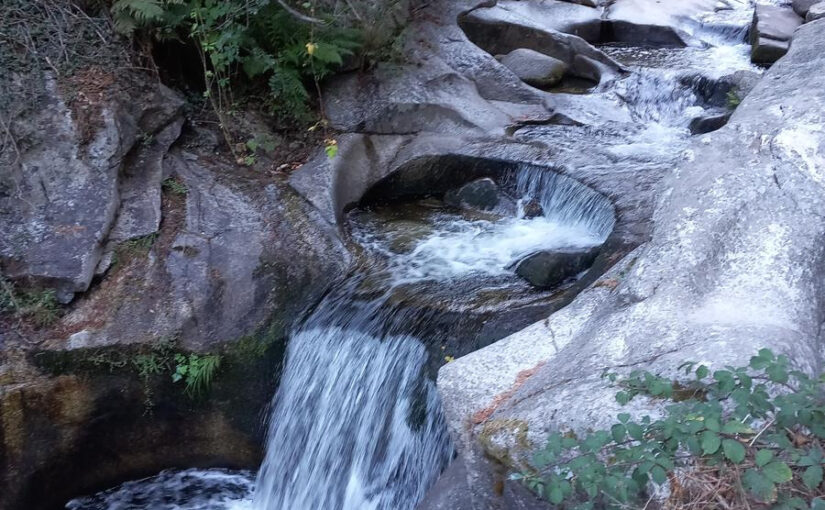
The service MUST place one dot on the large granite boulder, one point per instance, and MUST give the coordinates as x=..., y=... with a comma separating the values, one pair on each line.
x=534, y=68
x=734, y=264
x=60, y=189
x=502, y=29
x=771, y=32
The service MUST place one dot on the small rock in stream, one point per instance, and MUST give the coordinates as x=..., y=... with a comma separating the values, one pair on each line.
x=546, y=269
x=534, y=68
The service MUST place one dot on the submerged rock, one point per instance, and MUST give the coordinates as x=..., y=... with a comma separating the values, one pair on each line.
x=481, y=194
x=532, y=209
x=546, y=269
x=771, y=32
x=535, y=68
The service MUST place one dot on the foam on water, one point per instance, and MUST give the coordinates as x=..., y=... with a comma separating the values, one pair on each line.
x=190, y=489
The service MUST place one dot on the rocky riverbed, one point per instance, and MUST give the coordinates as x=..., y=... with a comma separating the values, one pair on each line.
x=698, y=168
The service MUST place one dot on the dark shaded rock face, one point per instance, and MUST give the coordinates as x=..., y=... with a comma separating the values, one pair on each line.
x=771, y=32
x=221, y=259
x=546, y=269
x=801, y=7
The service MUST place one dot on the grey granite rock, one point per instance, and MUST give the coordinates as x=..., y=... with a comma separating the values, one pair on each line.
x=534, y=68
x=771, y=32
x=60, y=189
x=734, y=264
x=817, y=11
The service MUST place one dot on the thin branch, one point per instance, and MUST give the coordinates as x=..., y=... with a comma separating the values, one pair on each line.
x=301, y=16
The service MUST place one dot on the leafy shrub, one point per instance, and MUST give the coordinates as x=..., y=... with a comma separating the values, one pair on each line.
x=746, y=437
x=268, y=41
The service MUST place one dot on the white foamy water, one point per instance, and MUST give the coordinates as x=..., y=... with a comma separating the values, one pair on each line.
x=355, y=425
x=462, y=247
x=190, y=489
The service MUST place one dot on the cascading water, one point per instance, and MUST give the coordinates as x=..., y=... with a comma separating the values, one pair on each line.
x=356, y=422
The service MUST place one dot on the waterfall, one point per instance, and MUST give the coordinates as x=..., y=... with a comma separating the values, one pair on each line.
x=566, y=201
x=355, y=424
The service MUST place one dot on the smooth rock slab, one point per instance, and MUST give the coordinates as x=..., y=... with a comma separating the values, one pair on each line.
x=534, y=68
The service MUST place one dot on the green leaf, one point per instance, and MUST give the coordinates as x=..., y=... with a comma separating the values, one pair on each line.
x=734, y=451
x=812, y=477
x=818, y=504
x=658, y=474
x=763, y=457
x=712, y=424
x=759, y=486
x=635, y=431
x=623, y=417
x=777, y=373
x=622, y=397
x=556, y=495
x=618, y=431
x=777, y=472
x=736, y=427
x=702, y=372
x=710, y=442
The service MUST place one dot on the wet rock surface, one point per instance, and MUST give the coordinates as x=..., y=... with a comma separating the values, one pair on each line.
x=547, y=269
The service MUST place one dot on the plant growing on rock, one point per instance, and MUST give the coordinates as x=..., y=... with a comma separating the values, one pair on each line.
x=196, y=371
x=285, y=47
x=740, y=437
x=38, y=306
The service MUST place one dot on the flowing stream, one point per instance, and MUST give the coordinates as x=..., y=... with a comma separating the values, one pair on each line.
x=356, y=422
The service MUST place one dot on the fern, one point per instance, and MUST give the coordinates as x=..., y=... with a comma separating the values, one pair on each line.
x=129, y=15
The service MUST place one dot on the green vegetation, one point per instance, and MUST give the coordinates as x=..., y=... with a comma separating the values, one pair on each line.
x=197, y=371
x=38, y=306
x=174, y=187
x=246, y=43
x=733, y=99
x=134, y=248
x=746, y=437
